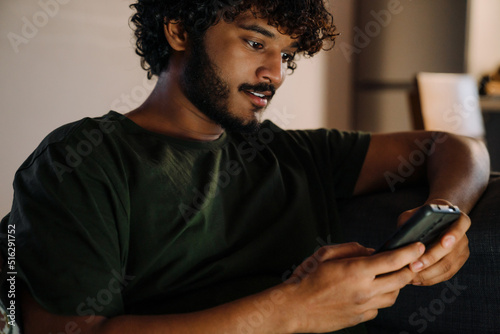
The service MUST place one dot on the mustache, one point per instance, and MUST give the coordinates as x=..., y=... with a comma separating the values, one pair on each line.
x=258, y=88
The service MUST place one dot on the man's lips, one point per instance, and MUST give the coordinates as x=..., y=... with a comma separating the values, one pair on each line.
x=260, y=94
x=259, y=99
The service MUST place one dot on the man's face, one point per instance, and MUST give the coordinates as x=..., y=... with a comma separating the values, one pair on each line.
x=232, y=74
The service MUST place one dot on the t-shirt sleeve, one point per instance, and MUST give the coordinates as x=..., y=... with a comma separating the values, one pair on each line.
x=70, y=238
x=348, y=152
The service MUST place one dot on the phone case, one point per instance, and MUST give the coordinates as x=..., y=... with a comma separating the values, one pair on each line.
x=426, y=225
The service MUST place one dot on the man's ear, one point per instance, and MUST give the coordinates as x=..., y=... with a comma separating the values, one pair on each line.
x=176, y=35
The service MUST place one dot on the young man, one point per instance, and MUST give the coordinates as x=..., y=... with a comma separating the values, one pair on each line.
x=188, y=216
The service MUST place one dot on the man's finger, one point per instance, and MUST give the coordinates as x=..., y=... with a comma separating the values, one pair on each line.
x=446, y=268
x=394, y=281
x=340, y=251
x=456, y=231
x=455, y=234
x=403, y=218
x=390, y=261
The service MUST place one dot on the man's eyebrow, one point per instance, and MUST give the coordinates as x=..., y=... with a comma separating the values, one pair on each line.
x=258, y=29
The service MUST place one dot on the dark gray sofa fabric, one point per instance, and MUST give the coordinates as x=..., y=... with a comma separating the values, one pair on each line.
x=469, y=302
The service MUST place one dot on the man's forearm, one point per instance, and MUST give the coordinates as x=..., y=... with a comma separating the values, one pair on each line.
x=260, y=313
x=458, y=170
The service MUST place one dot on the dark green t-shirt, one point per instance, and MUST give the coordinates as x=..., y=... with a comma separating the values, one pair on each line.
x=113, y=219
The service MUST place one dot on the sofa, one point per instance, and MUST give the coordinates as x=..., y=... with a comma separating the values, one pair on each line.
x=469, y=302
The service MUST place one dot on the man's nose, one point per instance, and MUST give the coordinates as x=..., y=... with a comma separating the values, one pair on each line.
x=273, y=69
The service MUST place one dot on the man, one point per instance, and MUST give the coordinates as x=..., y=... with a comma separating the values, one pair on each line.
x=186, y=215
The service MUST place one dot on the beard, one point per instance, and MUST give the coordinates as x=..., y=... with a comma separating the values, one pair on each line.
x=207, y=91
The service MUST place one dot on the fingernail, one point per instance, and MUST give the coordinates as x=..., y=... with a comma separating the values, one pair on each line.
x=417, y=265
x=448, y=241
x=417, y=283
x=421, y=248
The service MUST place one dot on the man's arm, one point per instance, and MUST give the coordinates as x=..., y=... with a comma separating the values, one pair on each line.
x=337, y=287
x=456, y=169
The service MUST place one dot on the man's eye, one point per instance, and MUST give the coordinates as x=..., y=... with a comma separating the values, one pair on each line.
x=255, y=45
x=287, y=57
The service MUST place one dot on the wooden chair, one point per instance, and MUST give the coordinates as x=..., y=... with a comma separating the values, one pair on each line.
x=447, y=102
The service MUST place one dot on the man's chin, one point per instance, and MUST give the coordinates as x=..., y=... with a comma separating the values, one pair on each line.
x=250, y=127
x=231, y=122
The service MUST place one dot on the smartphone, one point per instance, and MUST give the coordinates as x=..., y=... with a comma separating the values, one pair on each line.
x=426, y=225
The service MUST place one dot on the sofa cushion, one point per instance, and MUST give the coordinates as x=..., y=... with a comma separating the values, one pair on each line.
x=470, y=301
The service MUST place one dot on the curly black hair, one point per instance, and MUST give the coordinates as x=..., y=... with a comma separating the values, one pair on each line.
x=307, y=20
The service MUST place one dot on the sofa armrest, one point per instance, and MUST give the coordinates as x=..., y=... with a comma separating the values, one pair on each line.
x=467, y=303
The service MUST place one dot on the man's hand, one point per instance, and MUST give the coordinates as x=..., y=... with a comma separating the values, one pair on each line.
x=442, y=260
x=456, y=169
x=342, y=285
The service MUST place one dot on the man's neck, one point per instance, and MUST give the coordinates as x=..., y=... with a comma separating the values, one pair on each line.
x=169, y=112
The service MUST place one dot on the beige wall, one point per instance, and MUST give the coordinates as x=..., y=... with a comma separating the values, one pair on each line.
x=319, y=93
x=58, y=64
x=339, y=76
x=62, y=60
x=484, y=42
x=299, y=103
